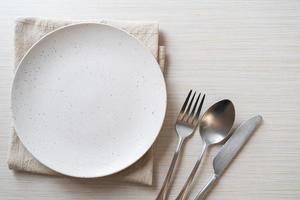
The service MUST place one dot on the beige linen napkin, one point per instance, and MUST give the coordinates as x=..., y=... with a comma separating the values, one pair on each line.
x=30, y=30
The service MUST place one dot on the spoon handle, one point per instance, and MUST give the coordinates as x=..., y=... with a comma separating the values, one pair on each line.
x=187, y=186
x=166, y=185
x=202, y=195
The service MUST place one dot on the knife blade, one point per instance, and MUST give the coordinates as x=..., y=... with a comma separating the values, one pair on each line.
x=229, y=151
x=234, y=144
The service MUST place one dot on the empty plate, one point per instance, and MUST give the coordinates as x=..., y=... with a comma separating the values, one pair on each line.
x=88, y=100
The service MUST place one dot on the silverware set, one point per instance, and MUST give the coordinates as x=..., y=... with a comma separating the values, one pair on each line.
x=215, y=127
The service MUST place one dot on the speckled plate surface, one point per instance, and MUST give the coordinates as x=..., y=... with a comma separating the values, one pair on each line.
x=88, y=100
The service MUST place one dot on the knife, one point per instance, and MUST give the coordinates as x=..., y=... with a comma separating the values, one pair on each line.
x=229, y=150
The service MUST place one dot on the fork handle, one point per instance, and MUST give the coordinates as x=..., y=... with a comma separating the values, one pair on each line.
x=162, y=195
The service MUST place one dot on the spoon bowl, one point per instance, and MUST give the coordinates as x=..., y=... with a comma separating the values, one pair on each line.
x=217, y=121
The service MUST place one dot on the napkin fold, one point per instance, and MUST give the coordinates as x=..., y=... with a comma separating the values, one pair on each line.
x=30, y=30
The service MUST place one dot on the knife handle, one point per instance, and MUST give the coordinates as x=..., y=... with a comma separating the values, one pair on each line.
x=202, y=194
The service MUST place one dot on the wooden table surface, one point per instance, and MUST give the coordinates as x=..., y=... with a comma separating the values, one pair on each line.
x=247, y=51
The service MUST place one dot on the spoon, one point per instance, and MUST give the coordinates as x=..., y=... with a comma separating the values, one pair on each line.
x=215, y=126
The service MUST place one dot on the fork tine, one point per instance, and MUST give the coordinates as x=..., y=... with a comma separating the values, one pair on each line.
x=185, y=102
x=186, y=115
x=199, y=108
x=190, y=117
x=195, y=106
x=190, y=104
x=181, y=114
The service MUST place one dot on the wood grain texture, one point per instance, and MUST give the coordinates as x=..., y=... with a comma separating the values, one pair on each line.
x=247, y=51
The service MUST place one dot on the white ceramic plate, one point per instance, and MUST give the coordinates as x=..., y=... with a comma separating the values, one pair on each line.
x=88, y=100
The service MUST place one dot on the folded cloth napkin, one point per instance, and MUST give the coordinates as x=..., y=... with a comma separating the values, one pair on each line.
x=30, y=30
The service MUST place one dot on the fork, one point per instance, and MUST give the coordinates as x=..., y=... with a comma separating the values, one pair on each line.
x=186, y=124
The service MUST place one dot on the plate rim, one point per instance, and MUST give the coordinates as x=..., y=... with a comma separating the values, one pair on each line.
x=16, y=70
